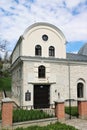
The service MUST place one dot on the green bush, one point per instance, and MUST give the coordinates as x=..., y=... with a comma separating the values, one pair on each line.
x=5, y=83
x=74, y=111
x=56, y=126
x=0, y=115
x=26, y=115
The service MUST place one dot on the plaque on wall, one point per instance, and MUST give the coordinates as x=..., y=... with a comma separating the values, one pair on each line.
x=27, y=96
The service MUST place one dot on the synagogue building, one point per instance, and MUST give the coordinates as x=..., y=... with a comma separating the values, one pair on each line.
x=42, y=71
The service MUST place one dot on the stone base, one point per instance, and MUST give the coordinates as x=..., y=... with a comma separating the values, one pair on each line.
x=83, y=117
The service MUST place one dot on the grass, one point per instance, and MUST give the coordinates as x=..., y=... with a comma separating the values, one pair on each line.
x=5, y=83
x=56, y=126
x=74, y=111
x=26, y=115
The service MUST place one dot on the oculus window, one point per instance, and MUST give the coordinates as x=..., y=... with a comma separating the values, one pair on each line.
x=41, y=71
x=51, y=51
x=45, y=37
x=38, y=50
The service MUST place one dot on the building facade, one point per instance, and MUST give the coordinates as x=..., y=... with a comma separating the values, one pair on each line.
x=42, y=71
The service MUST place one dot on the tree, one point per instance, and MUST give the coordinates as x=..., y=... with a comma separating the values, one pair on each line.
x=3, y=45
x=6, y=57
x=1, y=66
x=3, y=48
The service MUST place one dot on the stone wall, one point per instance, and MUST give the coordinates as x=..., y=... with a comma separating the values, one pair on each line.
x=63, y=78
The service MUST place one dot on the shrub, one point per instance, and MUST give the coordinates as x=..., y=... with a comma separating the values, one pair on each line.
x=0, y=115
x=74, y=111
x=5, y=83
x=20, y=115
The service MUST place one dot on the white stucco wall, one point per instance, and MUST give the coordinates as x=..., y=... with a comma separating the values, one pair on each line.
x=34, y=37
x=17, y=83
x=58, y=80
x=16, y=53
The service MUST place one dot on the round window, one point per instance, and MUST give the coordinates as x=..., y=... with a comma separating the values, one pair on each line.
x=45, y=37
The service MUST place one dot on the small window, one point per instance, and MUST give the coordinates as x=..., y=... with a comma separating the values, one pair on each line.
x=80, y=90
x=45, y=37
x=51, y=51
x=38, y=50
x=20, y=73
x=41, y=71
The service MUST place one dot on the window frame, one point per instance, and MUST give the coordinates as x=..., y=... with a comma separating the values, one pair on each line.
x=52, y=51
x=80, y=90
x=41, y=71
x=38, y=50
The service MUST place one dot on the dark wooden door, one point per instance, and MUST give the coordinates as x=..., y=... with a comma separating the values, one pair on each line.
x=41, y=96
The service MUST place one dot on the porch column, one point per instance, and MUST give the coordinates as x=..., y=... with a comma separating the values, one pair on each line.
x=82, y=109
x=7, y=112
x=60, y=110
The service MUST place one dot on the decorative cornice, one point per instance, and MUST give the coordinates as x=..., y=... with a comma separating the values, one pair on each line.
x=47, y=60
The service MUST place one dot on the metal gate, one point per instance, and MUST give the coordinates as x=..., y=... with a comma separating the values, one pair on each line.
x=71, y=108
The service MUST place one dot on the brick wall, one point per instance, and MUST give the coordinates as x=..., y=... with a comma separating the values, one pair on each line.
x=82, y=109
x=7, y=111
x=60, y=110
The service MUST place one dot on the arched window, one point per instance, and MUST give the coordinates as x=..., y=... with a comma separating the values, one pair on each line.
x=51, y=51
x=38, y=50
x=80, y=87
x=41, y=71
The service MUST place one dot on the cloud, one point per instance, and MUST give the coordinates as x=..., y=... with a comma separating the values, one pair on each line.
x=75, y=30
x=74, y=3
x=17, y=15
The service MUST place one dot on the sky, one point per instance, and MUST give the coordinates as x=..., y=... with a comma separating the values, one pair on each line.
x=70, y=16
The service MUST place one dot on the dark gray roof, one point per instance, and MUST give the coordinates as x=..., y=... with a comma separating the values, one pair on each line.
x=76, y=57
x=83, y=50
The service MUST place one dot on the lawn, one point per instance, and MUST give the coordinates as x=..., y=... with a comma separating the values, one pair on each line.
x=56, y=126
x=5, y=83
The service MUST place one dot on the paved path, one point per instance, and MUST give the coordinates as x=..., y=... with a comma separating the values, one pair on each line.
x=77, y=123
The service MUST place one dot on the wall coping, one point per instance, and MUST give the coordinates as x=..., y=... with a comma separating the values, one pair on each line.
x=6, y=100
x=59, y=101
x=82, y=100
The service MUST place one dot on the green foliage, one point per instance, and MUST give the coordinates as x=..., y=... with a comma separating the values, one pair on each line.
x=0, y=115
x=56, y=126
x=74, y=111
x=6, y=73
x=5, y=83
x=26, y=115
x=1, y=65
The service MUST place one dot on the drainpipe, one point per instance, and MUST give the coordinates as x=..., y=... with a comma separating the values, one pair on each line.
x=69, y=91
